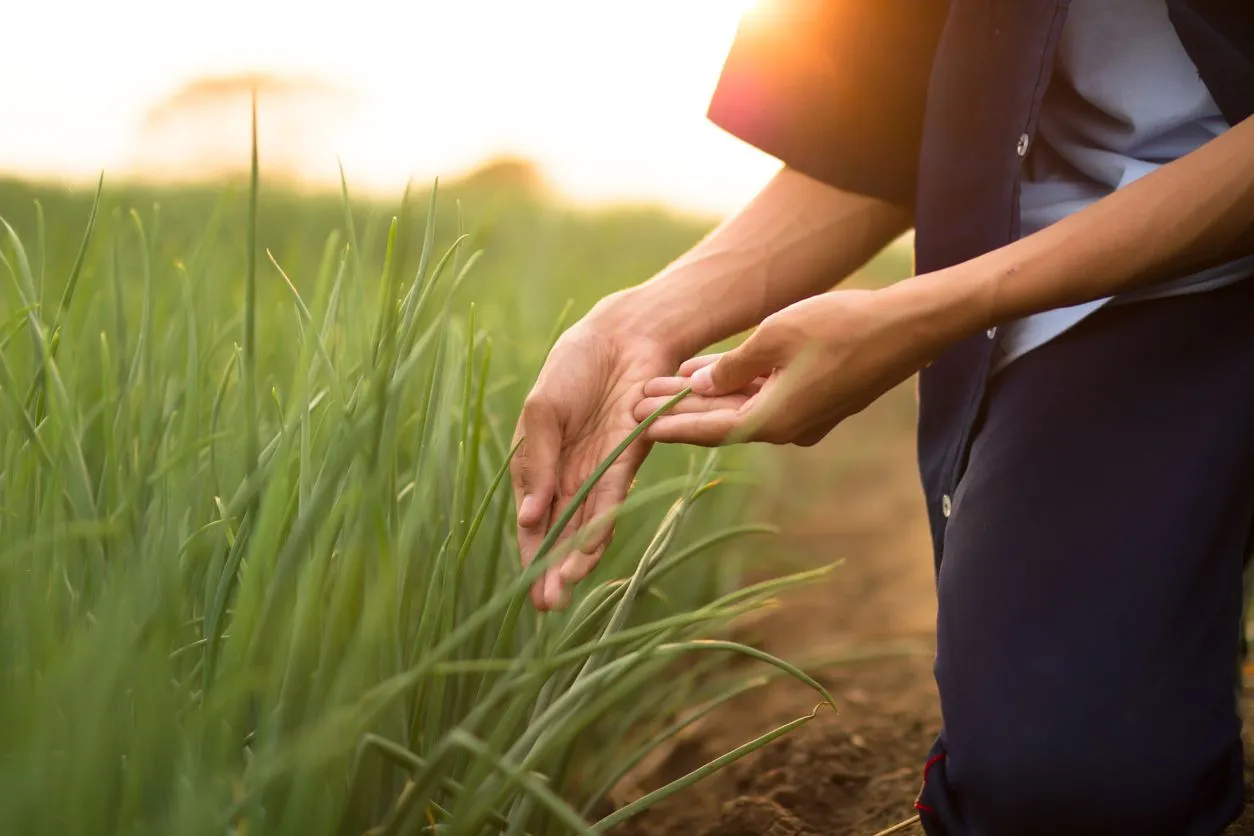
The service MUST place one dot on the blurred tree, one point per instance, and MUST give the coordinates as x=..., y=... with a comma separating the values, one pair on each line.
x=504, y=174
x=202, y=130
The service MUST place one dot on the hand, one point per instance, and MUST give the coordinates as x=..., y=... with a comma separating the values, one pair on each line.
x=579, y=410
x=803, y=371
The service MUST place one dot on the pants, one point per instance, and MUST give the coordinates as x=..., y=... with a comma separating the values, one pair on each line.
x=1090, y=594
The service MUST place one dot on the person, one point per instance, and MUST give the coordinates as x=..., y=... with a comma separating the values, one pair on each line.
x=1080, y=180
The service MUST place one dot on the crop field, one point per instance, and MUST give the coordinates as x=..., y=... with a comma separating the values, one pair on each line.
x=256, y=554
x=257, y=564
x=257, y=571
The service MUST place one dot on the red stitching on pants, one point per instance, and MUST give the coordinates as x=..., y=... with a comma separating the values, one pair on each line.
x=918, y=804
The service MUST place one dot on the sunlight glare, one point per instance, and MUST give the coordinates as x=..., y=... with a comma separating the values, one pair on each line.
x=608, y=98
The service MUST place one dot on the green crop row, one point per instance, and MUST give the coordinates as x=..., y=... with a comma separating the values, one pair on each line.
x=257, y=566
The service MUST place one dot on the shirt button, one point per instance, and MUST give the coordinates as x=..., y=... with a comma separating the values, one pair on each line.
x=992, y=333
x=947, y=506
x=1022, y=148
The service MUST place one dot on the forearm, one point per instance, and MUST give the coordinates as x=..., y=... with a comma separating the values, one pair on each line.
x=796, y=238
x=1193, y=213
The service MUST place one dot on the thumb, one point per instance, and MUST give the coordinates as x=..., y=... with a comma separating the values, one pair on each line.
x=736, y=369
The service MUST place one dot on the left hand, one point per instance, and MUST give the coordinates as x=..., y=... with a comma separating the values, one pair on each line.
x=803, y=371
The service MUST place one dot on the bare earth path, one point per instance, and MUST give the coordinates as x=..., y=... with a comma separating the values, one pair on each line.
x=855, y=771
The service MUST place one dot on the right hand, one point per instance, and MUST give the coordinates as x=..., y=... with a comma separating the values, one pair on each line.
x=578, y=411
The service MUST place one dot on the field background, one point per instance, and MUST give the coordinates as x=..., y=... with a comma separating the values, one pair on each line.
x=119, y=478
x=864, y=630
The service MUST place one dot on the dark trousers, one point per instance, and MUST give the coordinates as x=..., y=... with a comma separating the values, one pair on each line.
x=1090, y=595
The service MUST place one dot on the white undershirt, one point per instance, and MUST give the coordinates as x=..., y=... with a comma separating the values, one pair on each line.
x=1125, y=98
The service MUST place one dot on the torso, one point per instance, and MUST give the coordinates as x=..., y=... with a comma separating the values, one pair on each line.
x=1124, y=99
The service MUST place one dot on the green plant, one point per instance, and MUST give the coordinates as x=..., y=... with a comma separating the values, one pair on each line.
x=257, y=571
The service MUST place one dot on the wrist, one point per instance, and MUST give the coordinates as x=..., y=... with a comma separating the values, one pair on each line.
x=942, y=308
x=669, y=310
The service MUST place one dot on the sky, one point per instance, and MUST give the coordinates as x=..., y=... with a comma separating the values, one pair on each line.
x=608, y=96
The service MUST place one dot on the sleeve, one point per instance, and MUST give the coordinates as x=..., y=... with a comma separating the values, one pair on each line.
x=835, y=89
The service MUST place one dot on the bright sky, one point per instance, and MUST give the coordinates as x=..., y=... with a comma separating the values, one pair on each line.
x=609, y=96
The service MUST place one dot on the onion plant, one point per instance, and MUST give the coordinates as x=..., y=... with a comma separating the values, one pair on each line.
x=257, y=568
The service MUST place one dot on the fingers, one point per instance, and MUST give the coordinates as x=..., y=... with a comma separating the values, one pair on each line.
x=538, y=593
x=690, y=405
x=556, y=593
x=553, y=591
x=717, y=420
x=533, y=472
x=590, y=528
x=578, y=565
x=597, y=523
x=691, y=365
x=665, y=387
x=603, y=502
x=668, y=387
x=734, y=419
x=704, y=429
x=755, y=357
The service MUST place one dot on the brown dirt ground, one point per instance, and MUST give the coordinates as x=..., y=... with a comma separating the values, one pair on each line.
x=855, y=771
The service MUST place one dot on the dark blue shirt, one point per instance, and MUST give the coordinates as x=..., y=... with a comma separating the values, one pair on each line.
x=934, y=105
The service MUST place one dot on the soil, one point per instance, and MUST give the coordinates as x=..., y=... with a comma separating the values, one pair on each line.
x=857, y=770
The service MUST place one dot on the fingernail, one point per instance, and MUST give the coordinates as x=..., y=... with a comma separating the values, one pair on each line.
x=554, y=595
x=552, y=588
x=703, y=379
x=576, y=567
x=528, y=510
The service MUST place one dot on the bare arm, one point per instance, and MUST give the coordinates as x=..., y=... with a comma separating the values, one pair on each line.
x=1193, y=213
x=796, y=238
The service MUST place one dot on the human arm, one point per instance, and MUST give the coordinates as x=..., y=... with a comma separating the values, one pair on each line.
x=1193, y=213
x=835, y=90
x=796, y=238
x=1190, y=214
